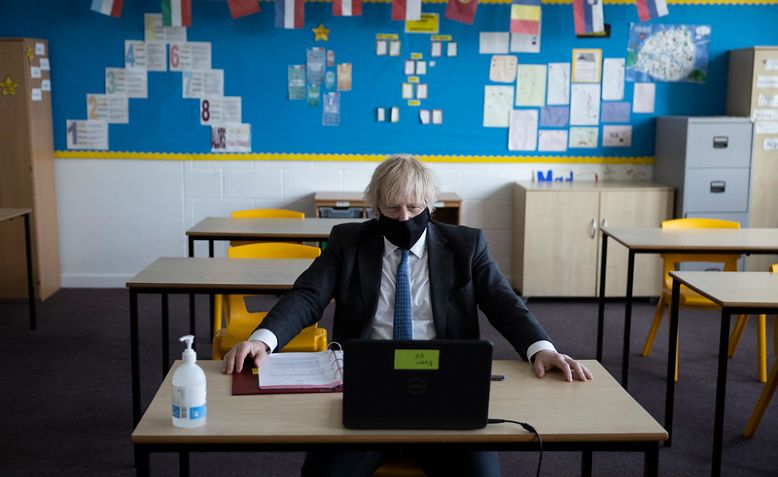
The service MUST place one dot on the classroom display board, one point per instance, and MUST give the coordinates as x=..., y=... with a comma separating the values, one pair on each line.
x=352, y=87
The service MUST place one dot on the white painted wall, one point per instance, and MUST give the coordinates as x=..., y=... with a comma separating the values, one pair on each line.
x=118, y=216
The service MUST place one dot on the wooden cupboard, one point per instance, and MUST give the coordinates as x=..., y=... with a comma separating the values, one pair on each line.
x=752, y=91
x=556, y=244
x=27, y=167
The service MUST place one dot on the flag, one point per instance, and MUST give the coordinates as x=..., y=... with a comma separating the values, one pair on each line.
x=588, y=16
x=406, y=10
x=177, y=12
x=241, y=8
x=108, y=7
x=462, y=11
x=648, y=9
x=347, y=8
x=290, y=14
x=525, y=17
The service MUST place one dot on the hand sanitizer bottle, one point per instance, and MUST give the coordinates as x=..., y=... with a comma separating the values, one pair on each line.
x=188, y=389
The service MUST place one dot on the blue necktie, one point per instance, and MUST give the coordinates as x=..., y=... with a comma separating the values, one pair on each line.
x=403, y=312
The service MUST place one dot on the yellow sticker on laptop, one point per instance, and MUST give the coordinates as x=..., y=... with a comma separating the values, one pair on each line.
x=416, y=359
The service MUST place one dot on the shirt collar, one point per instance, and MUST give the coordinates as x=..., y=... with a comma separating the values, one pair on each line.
x=417, y=250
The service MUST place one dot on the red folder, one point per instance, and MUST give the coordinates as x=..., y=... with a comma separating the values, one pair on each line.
x=246, y=382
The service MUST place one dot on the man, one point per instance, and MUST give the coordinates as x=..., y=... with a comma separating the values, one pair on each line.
x=403, y=276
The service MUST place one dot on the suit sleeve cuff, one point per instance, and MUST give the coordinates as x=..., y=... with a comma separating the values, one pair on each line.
x=538, y=346
x=266, y=336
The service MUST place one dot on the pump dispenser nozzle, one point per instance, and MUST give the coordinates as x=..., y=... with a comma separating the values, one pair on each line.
x=189, y=355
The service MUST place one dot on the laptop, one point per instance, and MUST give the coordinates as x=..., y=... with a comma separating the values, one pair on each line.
x=436, y=384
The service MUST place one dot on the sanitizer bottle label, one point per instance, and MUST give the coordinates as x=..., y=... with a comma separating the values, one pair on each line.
x=189, y=402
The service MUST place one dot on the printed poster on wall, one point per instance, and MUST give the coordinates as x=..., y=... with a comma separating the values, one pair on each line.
x=672, y=53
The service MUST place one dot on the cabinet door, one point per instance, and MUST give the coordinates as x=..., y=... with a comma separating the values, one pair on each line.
x=640, y=208
x=560, y=250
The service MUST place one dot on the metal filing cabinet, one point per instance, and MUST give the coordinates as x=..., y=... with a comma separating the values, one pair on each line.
x=708, y=160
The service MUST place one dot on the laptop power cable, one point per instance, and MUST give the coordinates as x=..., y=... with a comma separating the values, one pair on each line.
x=527, y=428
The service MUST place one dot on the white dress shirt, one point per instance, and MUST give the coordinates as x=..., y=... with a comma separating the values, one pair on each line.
x=383, y=324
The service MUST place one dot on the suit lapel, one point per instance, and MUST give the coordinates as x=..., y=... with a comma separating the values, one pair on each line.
x=370, y=261
x=441, y=276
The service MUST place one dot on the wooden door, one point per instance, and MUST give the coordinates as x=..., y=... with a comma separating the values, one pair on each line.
x=560, y=250
x=633, y=208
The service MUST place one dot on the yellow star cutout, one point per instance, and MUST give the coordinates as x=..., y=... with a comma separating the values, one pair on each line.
x=29, y=54
x=320, y=33
x=8, y=86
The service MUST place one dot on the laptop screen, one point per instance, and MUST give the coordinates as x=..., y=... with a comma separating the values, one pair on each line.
x=435, y=384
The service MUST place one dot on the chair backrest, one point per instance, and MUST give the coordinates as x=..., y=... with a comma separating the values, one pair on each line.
x=267, y=214
x=671, y=260
x=273, y=250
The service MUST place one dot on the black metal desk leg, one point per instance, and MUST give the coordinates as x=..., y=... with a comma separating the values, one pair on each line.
x=651, y=461
x=721, y=393
x=30, y=277
x=211, y=299
x=141, y=461
x=165, y=335
x=134, y=358
x=672, y=356
x=192, y=321
x=183, y=464
x=627, y=319
x=601, y=301
x=586, y=463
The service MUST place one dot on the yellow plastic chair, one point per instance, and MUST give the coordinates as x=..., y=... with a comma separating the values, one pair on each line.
x=263, y=214
x=690, y=299
x=233, y=323
x=267, y=214
x=772, y=382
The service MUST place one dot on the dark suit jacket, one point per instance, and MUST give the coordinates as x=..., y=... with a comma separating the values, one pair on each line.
x=463, y=277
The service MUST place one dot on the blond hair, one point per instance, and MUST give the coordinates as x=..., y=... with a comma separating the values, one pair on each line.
x=402, y=177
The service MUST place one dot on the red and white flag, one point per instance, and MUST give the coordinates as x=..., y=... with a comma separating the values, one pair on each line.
x=241, y=8
x=462, y=11
x=290, y=14
x=347, y=8
x=406, y=10
x=177, y=12
x=108, y=7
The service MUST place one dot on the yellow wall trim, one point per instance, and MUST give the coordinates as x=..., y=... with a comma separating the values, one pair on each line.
x=260, y=156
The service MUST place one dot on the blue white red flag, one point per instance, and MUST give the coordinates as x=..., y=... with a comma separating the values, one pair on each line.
x=588, y=16
x=290, y=14
x=108, y=7
x=648, y=9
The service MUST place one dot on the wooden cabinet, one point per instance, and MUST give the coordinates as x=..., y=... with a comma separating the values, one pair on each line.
x=752, y=91
x=556, y=244
x=346, y=205
x=27, y=168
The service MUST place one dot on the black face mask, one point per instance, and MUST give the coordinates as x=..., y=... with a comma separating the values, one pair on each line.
x=404, y=234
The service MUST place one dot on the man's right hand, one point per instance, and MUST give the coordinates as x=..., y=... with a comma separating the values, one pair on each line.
x=236, y=356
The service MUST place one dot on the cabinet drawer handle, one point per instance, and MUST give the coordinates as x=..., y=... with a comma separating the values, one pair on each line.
x=720, y=142
x=603, y=223
x=718, y=187
x=593, y=228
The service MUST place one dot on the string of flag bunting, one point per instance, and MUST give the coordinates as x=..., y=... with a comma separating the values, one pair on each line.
x=525, y=15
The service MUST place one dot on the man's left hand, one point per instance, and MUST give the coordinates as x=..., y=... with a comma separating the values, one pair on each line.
x=546, y=360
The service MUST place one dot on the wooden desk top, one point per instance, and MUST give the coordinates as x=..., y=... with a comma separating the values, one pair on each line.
x=208, y=273
x=734, y=289
x=303, y=229
x=8, y=214
x=599, y=410
x=681, y=240
x=357, y=199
